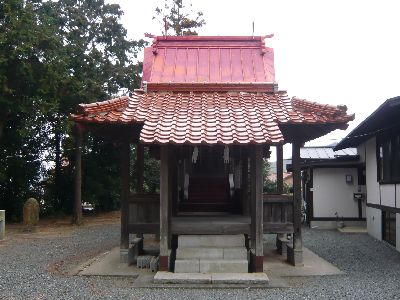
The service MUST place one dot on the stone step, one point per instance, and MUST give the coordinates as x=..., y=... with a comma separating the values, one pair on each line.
x=235, y=253
x=187, y=266
x=211, y=278
x=217, y=241
x=199, y=252
x=211, y=266
x=224, y=266
x=211, y=253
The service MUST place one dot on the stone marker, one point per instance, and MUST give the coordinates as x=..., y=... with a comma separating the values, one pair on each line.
x=2, y=224
x=31, y=214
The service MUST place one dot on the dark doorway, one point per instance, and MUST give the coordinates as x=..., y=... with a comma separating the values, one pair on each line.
x=389, y=227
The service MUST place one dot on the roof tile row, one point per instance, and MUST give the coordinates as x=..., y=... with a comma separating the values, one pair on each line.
x=210, y=117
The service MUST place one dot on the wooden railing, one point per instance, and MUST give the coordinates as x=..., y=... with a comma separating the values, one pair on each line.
x=277, y=213
x=144, y=213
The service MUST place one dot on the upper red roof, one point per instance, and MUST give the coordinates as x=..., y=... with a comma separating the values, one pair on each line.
x=211, y=117
x=211, y=90
x=204, y=59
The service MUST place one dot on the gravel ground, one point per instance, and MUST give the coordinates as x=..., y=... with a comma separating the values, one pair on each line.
x=35, y=267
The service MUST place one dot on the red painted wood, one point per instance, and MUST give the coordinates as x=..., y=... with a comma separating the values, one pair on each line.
x=164, y=263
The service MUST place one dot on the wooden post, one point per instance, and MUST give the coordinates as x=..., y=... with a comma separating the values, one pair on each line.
x=125, y=191
x=164, y=208
x=279, y=169
x=244, y=183
x=77, y=207
x=279, y=181
x=173, y=183
x=140, y=167
x=256, y=163
x=295, y=254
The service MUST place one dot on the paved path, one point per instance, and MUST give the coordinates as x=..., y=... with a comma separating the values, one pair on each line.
x=35, y=267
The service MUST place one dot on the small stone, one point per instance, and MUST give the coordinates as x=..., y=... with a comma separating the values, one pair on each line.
x=154, y=264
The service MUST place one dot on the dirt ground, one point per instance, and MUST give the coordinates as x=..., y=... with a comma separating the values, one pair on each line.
x=57, y=226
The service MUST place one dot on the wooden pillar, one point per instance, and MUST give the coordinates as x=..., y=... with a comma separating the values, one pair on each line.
x=256, y=164
x=173, y=182
x=125, y=191
x=164, y=208
x=140, y=167
x=279, y=169
x=245, y=182
x=279, y=182
x=77, y=207
x=295, y=254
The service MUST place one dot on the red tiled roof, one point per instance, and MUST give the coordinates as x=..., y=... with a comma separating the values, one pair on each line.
x=216, y=59
x=210, y=117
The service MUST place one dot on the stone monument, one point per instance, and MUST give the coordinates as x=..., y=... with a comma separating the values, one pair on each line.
x=2, y=224
x=31, y=214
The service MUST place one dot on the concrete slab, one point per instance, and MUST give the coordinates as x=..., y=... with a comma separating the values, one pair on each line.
x=275, y=265
x=182, y=278
x=224, y=266
x=217, y=241
x=199, y=252
x=187, y=266
x=279, y=272
x=107, y=264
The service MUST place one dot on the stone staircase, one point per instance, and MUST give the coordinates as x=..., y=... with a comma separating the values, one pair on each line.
x=211, y=254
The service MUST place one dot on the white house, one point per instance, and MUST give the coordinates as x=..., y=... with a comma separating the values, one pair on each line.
x=333, y=185
x=378, y=141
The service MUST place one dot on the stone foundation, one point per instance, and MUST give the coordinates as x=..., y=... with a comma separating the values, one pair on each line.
x=294, y=256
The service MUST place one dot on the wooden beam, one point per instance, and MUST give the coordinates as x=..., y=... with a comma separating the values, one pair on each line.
x=140, y=167
x=164, y=208
x=297, y=237
x=77, y=206
x=146, y=228
x=125, y=193
x=279, y=169
x=256, y=164
x=205, y=228
x=279, y=228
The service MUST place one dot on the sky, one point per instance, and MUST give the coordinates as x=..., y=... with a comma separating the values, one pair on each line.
x=332, y=52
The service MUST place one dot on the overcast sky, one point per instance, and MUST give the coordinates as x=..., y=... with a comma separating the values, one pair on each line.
x=334, y=52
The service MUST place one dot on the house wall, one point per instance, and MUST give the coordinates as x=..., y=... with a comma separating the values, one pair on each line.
x=398, y=195
x=398, y=232
x=333, y=194
x=379, y=194
x=374, y=222
x=361, y=151
x=371, y=171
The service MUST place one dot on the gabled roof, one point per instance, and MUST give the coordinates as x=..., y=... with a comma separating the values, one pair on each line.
x=211, y=117
x=208, y=59
x=385, y=117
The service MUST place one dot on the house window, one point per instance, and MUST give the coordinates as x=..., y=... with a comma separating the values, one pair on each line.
x=388, y=157
x=389, y=227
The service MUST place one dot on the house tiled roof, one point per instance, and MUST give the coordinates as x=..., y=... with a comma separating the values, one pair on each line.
x=202, y=59
x=326, y=153
x=210, y=117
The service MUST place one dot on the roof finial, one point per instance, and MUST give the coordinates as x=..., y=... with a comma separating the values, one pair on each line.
x=165, y=26
x=253, y=29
